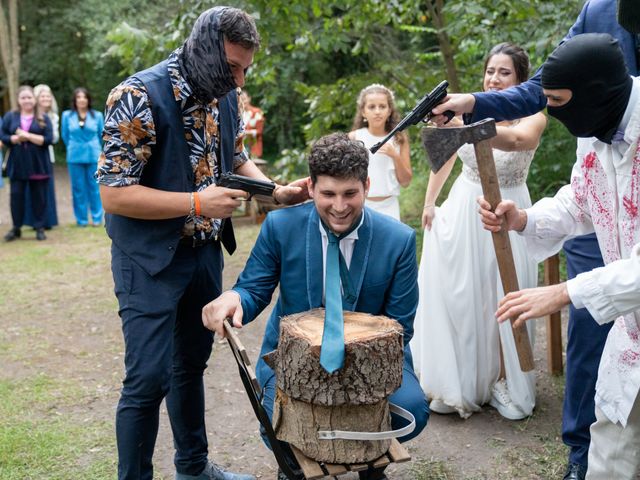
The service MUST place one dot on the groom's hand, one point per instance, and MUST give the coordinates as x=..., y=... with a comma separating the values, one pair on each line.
x=227, y=305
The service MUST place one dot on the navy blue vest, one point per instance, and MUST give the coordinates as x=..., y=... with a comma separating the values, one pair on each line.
x=152, y=243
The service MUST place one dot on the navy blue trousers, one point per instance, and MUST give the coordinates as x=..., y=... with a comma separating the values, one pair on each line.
x=38, y=191
x=585, y=341
x=166, y=353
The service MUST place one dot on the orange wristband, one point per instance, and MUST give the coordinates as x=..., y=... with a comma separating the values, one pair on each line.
x=196, y=199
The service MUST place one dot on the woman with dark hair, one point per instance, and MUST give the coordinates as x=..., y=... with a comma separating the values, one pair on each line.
x=389, y=167
x=27, y=132
x=465, y=359
x=81, y=133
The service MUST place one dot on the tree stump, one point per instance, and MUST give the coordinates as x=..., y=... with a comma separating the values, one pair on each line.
x=354, y=398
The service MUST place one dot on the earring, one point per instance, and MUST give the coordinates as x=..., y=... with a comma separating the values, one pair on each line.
x=364, y=120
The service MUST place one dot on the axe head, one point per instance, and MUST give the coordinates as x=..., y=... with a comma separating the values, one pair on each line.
x=442, y=142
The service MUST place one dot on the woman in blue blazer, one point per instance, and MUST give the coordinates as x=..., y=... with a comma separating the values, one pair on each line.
x=81, y=131
x=27, y=132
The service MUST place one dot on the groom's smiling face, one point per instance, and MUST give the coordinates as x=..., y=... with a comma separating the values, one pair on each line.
x=339, y=201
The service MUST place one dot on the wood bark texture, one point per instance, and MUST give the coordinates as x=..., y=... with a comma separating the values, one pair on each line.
x=373, y=360
x=298, y=423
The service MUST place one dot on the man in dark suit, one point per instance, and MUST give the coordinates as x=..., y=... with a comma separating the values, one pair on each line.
x=380, y=254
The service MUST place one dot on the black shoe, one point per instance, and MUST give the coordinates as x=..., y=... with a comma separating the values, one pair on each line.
x=12, y=235
x=575, y=471
x=373, y=474
x=40, y=234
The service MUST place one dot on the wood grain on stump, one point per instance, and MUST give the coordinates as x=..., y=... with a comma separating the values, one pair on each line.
x=354, y=398
x=373, y=359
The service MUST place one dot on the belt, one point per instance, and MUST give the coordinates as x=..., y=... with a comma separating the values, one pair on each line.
x=195, y=242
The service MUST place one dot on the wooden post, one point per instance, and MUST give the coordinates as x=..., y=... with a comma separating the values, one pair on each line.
x=554, y=324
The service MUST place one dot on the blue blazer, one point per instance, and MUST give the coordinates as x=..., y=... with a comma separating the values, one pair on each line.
x=288, y=252
x=83, y=144
x=597, y=16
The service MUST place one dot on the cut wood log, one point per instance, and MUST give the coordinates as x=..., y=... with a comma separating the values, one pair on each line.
x=298, y=422
x=373, y=360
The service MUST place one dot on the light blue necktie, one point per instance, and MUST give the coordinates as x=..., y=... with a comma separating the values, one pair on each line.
x=332, y=350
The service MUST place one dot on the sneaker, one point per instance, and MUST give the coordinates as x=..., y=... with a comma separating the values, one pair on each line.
x=12, y=234
x=215, y=472
x=501, y=401
x=440, y=407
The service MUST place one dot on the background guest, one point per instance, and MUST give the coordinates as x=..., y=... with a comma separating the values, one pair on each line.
x=253, y=118
x=46, y=103
x=81, y=133
x=389, y=167
x=27, y=132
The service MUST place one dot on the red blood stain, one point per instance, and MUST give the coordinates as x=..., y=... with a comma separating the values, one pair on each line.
x=630, y=207
x=629, y=357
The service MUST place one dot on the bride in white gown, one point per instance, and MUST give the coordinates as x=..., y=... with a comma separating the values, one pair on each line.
x=464, y=359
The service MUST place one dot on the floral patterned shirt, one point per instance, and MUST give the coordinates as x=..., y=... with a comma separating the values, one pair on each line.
x=129, y=134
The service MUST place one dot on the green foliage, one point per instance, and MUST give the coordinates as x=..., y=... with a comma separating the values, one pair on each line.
x=316, y=56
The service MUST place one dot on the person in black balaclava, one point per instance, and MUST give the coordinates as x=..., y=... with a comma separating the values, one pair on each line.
x=589, y=90
x=592, y=67
x=170, y=133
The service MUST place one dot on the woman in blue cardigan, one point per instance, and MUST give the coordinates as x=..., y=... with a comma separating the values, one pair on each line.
x=81, y=129
x=28, y=133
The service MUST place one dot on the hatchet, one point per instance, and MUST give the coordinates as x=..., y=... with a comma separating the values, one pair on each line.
x=441, y=144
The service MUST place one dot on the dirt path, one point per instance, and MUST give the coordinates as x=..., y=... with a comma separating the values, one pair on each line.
x=84, y=343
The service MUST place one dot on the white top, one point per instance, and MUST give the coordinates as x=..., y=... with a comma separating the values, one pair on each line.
x=604, y=196
x=382, y=170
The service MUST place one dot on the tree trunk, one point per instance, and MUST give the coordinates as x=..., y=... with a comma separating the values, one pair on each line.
x=435, y=8
x=354, y=398
x=10, y=48
x=298, y=423
x=373, y=359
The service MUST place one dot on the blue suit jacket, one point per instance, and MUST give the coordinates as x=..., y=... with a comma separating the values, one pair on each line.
x=597, y=16
x=288, y=252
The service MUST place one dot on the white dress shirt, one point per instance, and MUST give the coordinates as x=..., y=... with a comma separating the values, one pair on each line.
x=604, y=196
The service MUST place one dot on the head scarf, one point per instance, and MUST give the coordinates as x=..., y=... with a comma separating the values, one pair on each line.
x=592, y=67
x=629, y=15
x=203, y=61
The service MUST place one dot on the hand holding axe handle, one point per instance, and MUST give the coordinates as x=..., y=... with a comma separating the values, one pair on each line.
x=441, y=144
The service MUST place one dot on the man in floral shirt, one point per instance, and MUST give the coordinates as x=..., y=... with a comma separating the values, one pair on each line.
x=588, y=88
x=170, y=132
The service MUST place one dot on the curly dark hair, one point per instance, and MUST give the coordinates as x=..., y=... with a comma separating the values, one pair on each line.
x=336, y=155
x=239, y=28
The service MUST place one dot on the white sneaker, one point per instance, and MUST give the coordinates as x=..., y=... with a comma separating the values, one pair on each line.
x=501, y=401
x=440, y=407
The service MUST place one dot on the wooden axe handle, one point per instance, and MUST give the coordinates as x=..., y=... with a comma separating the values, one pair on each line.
x=502, y=246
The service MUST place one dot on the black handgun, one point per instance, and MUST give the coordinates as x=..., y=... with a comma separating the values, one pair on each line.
x=250, y=185
x=421, y=112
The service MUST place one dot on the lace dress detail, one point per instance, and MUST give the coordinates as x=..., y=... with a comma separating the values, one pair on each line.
x=512, y=167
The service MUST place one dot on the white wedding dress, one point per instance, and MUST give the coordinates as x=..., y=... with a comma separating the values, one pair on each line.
x=455, y=344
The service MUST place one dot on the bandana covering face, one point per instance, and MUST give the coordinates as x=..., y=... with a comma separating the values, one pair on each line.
x=203, y=61
x=592, y=67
